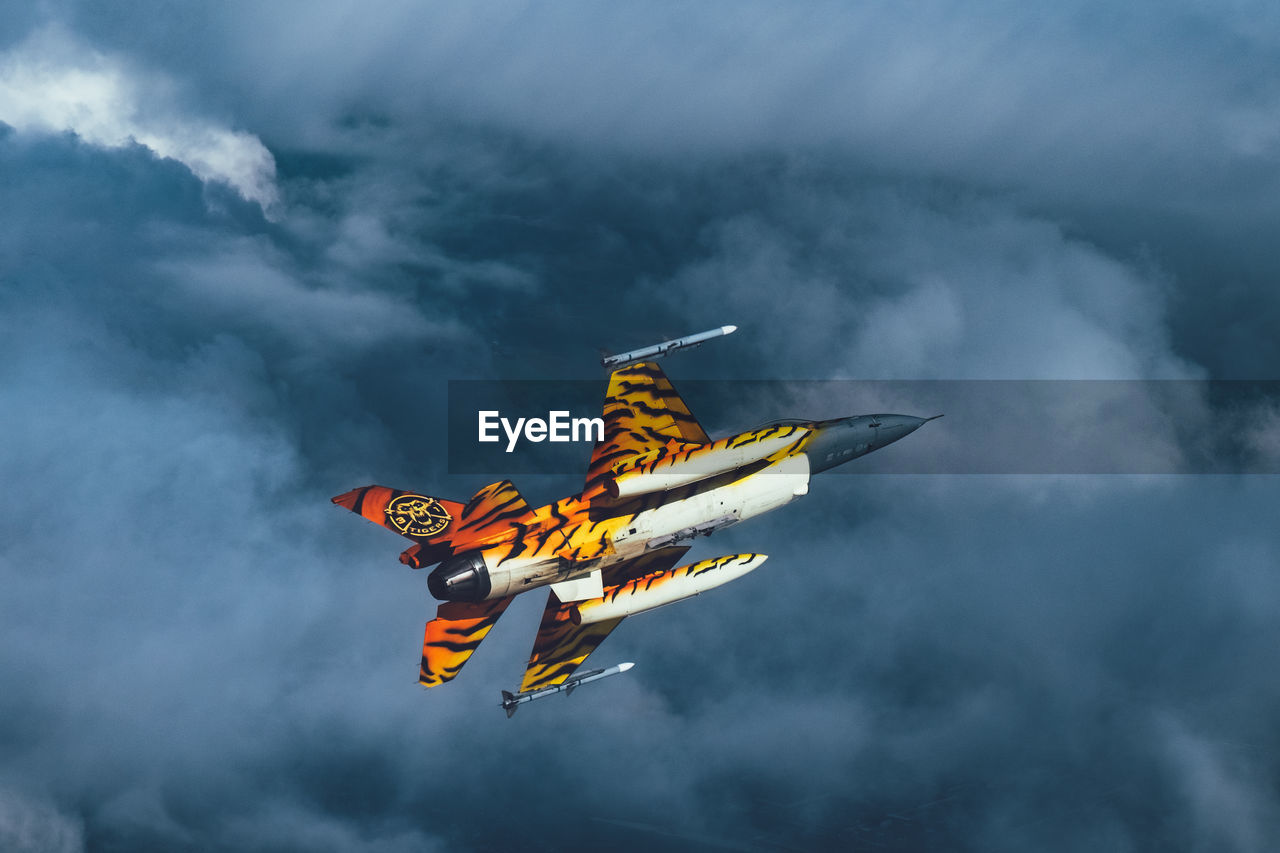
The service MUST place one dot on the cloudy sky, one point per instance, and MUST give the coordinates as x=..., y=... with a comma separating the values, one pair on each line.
x=244, y=246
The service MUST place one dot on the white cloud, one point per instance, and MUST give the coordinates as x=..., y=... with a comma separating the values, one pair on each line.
x=51, y=84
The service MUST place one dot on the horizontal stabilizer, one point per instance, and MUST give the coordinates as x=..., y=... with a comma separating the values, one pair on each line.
x=454, y=635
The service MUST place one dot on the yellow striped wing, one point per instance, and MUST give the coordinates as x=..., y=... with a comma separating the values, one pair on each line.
x=641, y=411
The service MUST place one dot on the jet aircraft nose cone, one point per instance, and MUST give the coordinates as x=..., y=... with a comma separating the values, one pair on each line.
x=899, y=423
x=893, y=427
x=843, y=439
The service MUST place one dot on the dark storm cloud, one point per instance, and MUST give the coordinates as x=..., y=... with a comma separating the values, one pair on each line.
x=1148, y=130
x=992, y=91
x=200, y=653
x=1149, y=126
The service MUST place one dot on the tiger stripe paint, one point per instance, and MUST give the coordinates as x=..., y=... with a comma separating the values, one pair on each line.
x=559, y=541
x=667, y=467
x=657, y=560
x=558, y=649
x=654, y=481
x=493, y=510
x=454, y=635
x=561, y=646
x=372, y=503
x=664, y=587
x=641, y=409
x=570, y=632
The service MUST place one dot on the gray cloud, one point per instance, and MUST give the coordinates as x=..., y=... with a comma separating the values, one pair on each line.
x=1065, y=100
x=32, y=825
x=889, y=285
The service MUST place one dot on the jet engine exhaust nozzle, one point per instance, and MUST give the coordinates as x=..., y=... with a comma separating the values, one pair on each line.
x=461, y=578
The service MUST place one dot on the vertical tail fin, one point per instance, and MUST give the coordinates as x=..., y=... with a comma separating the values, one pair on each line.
x=440, y=527
x=418, y=517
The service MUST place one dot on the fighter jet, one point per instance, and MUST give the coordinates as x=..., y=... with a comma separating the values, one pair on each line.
x=654, y=483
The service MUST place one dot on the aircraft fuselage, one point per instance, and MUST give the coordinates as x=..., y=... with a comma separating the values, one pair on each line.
x=665, y=497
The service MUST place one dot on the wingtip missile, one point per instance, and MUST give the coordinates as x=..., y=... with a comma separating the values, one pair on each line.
x=512, y=701
x=613, y=362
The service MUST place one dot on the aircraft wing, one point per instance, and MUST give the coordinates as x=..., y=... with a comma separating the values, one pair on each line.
x=641, y=411
x=561, y=646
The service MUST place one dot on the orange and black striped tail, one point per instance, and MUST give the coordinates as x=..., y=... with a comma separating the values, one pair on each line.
x=417, y=517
